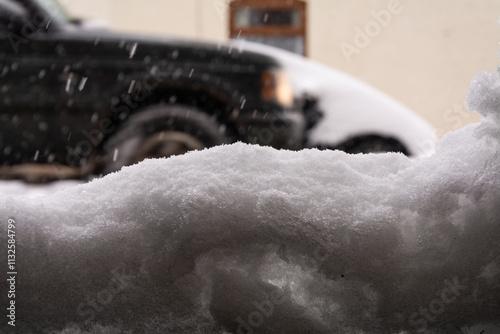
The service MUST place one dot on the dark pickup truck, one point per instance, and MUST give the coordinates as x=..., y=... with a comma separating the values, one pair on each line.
x=90, y=102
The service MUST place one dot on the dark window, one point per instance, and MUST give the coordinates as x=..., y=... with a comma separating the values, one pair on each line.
x=255, y=17
x=280, y=23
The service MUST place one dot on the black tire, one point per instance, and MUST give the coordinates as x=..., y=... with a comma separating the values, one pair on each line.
x=161, y=131
x=372, y=144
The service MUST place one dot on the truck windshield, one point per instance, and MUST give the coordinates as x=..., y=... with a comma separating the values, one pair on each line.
x=54, y=9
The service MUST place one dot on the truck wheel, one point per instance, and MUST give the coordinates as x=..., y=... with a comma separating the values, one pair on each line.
x=161, y=131
x=374, y=144
x=369, y=144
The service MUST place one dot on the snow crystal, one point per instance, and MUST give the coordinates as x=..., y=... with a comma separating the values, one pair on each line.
x=133, y=49
x=249, y=239
x=82, y=83
x=484, y=93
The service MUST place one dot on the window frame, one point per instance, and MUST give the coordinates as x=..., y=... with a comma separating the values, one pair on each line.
x=269, y=30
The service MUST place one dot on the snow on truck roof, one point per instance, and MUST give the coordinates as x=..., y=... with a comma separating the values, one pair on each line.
x=250, y=239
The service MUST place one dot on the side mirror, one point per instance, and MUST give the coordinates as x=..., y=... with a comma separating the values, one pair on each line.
x=12, y=15
x=13, y=21
x=20, y=23
x=11, y=11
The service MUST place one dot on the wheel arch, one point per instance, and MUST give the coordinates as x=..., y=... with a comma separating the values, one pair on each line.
x=213, y=102
x=155, y=119
x=354, y=143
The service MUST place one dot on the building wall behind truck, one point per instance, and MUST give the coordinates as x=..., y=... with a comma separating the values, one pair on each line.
x=423, y=53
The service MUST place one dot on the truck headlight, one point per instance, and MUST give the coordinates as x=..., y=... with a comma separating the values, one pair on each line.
x=277, y=87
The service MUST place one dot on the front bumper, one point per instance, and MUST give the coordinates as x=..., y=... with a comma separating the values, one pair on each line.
x=282, y=129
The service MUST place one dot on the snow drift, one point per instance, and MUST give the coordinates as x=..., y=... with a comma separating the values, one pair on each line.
x=247, y=239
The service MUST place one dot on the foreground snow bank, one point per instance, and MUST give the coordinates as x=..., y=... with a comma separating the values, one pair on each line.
x=247, y=239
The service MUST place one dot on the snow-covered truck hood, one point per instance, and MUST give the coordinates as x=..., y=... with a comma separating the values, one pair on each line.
x=351, y=107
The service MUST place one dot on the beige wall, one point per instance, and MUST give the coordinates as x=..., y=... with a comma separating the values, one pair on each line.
x=424, y=54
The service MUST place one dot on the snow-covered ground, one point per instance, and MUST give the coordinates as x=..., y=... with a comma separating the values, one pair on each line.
x=248, y=239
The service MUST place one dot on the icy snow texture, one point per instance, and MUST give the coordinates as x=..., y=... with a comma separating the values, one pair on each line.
x=249, y=239
x=351, y=107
